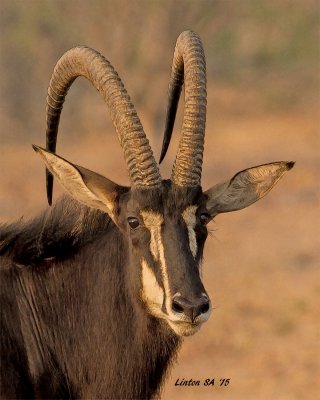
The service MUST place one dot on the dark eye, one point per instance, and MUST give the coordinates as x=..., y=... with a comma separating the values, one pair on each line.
x=133, y=222
x=204, y=218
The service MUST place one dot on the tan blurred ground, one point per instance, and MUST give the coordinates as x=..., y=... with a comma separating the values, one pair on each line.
x=261, y=264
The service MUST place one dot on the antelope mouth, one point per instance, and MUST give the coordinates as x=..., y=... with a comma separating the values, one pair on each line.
x=183, y=328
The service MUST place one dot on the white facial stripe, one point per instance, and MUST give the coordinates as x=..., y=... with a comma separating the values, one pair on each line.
x=151, y=293
x=156, y=242
x=189, y=216
x=151, y=218
x=153, y=221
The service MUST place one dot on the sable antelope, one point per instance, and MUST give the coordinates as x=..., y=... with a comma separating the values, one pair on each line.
x=98, y=291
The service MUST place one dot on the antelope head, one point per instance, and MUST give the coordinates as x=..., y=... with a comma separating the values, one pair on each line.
x=164, y=222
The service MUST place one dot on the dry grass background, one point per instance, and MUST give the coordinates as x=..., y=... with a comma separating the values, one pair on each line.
x=261, y=264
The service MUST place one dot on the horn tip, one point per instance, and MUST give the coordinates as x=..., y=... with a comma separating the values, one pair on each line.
x=162, y=155
x=49, y=198
x=49, y=178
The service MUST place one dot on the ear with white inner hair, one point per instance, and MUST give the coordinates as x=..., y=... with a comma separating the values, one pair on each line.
x=245, y=188
x=85, y=186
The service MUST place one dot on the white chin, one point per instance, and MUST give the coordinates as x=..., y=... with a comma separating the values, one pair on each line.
x=184, y=328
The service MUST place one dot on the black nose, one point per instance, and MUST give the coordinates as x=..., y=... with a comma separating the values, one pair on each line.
x=191, y=309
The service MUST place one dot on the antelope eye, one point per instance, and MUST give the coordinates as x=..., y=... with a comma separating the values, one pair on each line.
x=204, y=218
x=133, y=222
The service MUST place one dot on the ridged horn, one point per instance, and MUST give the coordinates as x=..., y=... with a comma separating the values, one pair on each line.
x=86, y=62
x=188, y=68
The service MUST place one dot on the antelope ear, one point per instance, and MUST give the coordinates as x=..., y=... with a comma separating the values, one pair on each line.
x=87, y=187
x=245, y=188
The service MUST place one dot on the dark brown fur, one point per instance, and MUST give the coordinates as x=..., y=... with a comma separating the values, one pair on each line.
x=72, y=327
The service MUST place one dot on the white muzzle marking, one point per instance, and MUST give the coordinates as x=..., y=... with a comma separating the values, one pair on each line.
x=152, y=294
x=153, y=221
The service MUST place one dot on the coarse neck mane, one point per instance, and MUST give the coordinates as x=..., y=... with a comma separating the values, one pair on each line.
x=54, y=233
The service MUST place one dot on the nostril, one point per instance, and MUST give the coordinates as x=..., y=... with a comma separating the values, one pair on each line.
x=177, y=307
x=204, y=308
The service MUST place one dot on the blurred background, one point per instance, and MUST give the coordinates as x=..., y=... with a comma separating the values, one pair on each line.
x=261, y=264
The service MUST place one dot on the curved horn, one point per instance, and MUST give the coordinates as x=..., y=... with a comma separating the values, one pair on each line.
x=188, y=67
x=86, y=62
